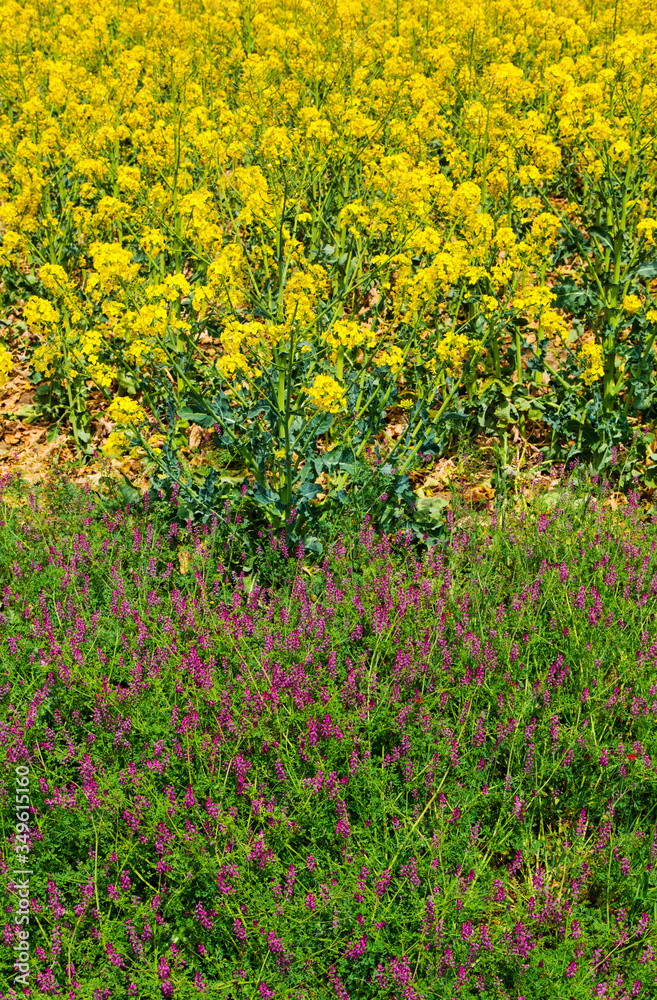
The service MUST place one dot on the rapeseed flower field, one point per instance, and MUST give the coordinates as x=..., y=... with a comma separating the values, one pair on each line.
x=281, y=221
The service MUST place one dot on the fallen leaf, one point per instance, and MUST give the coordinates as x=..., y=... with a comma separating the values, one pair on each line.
x=478, y=494
x=195, y=435
x=105, y=427
x=443, y=473
x=615, y=501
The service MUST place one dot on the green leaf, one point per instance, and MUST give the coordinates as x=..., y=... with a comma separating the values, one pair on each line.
x=506, y=411
x=570, y=297
x=127, y=383
x=310, y=489
x=194, y=417
x=232, y=480
x=265, y=497
x=648, y=270
x=452, y=415
x=27, y=413
x=312, y=544
x=431, y=509
x=603, y=235
x=128, y=491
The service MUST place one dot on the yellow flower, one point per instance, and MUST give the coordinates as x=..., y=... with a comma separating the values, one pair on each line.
x=533, y=300
x=591, y=356
x=117, y=444
x=175, y=287
x=326, y=394
x=645, y=228
x=101, y=374
x=232, y=363
x=490, y=305
x=12, y=244
x=393, y=357
x=124, y=409
x=40, y=313
x=632, y=304
x=349, y=334
x=466, y=199
x=453, y=349
x=554, y=324
x=54, y=278
x=153, y=241
x=137, y=351
x=276, y=143
x=43, y=359
x=113, y=266
x=6, y=365
x=543, y=232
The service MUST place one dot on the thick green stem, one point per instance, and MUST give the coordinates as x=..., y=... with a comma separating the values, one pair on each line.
x=74, y=425
x=288, y=456
x=518, y=358
x=496, y=354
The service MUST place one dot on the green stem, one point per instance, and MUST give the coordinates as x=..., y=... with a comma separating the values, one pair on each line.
x=67, y=332
x=288, y=457
x=496, y=355
x=518, y=358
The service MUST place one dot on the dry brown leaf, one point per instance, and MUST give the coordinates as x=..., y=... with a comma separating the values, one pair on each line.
x=615, y=501
x=105, y=427
x=195, y=435
x=478, y=494
x=443, y=472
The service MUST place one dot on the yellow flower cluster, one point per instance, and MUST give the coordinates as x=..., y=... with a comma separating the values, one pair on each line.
x=393, y=357
x=6, y=365
x=129, y=412
x=39, y=314
x=112, y=267
x=326, y=394
x=646, y=228
x=591, y=358
x=349, y=334
x=453, y=350
x=234, y=338
x=126, y=410
x=632, y=304
x=153, y=241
